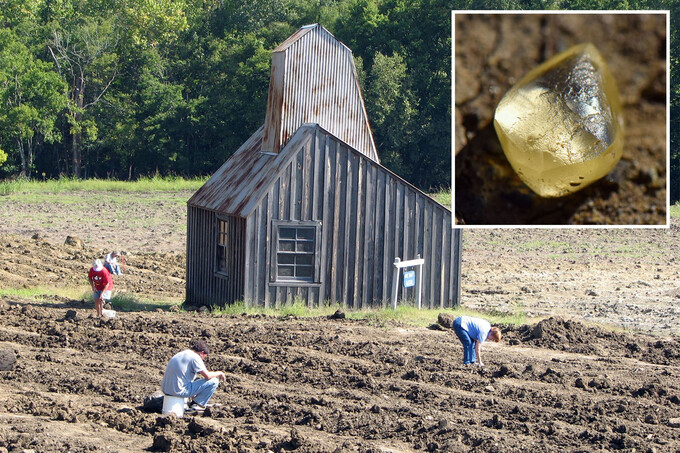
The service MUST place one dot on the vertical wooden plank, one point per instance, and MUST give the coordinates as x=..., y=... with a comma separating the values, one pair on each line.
x=325, y=188
x=320, y=183
x=360, y=217
x=446, y=262
x=347, y=230
x=208, y=279
x=339, y=180
x=257, y=241
x=262, y=251
x=188, y=287
x=272, y=210
x=285, y=192
x=248, y=294
x=378, y=241
x=297, y=184
x=399, y=229
x=308, y=192
x=436, y=254
x=388, y=240
x=242, y=263
x=368, y=238
x=427, y=249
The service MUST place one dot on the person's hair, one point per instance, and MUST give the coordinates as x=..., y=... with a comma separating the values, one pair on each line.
x=495, y=334
x=200, y=346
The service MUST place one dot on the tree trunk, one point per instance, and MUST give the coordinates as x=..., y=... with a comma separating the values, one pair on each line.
x=75, y=146
x=77, y=137
x=22, y=154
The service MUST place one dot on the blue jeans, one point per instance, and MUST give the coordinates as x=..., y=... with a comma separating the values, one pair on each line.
x=113, y=270
x=200, y=390
x=469, y=355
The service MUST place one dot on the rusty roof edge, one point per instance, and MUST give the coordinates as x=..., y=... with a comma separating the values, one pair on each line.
x=282, y=159
x=374, y=162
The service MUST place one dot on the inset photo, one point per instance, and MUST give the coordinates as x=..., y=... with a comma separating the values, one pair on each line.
x=560, y=118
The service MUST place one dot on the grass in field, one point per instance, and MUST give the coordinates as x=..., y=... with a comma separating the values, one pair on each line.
x=120, y=301
x=129, y=302
x=148, y=184
x=443, y=197
x=675, y=210
x=404, y=314
x=42, y=294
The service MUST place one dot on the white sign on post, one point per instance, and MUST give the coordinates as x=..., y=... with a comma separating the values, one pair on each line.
x=417, y=274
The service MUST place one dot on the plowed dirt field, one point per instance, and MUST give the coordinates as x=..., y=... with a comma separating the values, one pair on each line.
x=327, y=385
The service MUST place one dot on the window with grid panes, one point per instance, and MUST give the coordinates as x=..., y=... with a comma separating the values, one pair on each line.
x=296, y=252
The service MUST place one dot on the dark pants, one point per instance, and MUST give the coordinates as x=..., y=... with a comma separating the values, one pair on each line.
x=469, y=355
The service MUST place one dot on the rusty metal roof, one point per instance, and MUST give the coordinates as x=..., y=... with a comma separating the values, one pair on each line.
x=314, y=80
x=237, y=186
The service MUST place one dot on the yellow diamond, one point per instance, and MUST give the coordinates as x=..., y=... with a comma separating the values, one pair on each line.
x=561, y=125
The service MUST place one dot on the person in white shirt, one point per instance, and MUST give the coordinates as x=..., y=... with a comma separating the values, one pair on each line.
x=111, y=263
x=178, y=379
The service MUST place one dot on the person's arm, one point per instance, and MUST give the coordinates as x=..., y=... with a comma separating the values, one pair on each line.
x=213, y=374
x=478, y=352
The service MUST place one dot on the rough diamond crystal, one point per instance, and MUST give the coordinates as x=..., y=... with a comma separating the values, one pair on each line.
x=561, y=125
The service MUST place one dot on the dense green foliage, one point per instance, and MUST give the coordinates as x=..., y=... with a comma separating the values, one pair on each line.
x=128, y=88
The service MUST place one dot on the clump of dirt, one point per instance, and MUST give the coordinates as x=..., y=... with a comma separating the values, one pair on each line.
x=575, y=337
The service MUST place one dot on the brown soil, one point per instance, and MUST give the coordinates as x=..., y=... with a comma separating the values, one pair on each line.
x=493, y=52
x=341, y=385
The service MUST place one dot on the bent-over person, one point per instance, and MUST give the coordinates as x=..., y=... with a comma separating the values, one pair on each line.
x=473, y=332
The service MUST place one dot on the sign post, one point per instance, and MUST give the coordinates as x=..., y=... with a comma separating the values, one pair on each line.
x=414, y=278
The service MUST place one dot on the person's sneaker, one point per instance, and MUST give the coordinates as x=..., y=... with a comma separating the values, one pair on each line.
x=195, y=408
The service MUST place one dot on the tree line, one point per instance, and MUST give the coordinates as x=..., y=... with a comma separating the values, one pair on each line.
x=128, y=88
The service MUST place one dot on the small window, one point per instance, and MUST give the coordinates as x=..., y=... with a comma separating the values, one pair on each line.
x=222, y=246
x=296, y=251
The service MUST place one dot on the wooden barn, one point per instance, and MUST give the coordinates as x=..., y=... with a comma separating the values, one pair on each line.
x=304, y=209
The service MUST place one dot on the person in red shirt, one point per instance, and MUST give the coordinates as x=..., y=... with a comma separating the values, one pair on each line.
x=102, y=285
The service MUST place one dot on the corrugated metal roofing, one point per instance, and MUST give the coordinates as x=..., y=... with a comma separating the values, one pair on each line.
x=314, y=80
x=242, y=181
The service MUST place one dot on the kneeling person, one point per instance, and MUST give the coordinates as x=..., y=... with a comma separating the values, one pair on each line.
x=178, y=379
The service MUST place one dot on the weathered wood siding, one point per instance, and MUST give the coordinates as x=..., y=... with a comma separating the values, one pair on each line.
x=369, y=216
x=204, y=284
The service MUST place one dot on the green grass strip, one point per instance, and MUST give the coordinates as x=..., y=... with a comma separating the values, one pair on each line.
x=64, y=184
x=404, y=314
x=675, y=210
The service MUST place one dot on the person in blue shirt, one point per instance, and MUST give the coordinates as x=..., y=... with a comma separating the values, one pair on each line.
x=472, y=332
